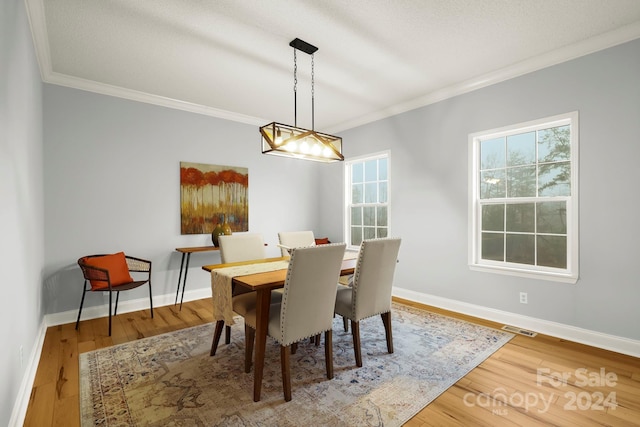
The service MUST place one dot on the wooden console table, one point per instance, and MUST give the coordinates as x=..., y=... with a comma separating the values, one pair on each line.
x=187, y=252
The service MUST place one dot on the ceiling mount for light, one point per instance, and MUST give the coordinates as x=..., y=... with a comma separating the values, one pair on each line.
x=292, y=141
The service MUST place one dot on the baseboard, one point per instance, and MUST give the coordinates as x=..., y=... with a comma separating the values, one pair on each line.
x=123, y=307
x=24, y=393
x=559, y=330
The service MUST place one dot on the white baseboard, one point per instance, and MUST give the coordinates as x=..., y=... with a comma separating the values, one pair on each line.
x=559, y=330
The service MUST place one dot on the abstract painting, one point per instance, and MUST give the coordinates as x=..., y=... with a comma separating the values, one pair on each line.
x=211, y=194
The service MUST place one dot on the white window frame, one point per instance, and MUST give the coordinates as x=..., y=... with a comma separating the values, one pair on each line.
x=347, y=192
x=571, y=273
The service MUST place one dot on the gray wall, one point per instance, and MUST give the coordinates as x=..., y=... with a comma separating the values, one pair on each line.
x=112, y=184
x=429, y=190
x=21, y=203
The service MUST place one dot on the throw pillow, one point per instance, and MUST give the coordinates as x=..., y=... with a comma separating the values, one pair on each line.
x=116, y=264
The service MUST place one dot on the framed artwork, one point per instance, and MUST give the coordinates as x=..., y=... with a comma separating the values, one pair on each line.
x=212, y=194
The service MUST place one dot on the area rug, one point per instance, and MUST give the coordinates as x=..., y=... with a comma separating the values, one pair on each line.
x=170, y=379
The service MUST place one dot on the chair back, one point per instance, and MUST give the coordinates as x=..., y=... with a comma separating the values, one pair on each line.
x=373, y=277
x=241, y=247
x=295, y=239
x=309, y=293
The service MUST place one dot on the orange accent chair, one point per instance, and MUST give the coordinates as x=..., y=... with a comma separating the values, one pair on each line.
x=112, y=273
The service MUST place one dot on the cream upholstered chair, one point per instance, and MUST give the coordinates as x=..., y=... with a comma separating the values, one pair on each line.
x=295, y=239
x=370, y=293
x=307, y=305
x=237, y=248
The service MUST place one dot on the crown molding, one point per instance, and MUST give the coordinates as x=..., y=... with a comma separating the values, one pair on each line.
x=37, y=22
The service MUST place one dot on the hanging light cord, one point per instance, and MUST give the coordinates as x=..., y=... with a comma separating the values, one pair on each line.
x=313, y=115
x=295, y=88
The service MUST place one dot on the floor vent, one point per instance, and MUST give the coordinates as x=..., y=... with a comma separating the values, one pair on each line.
x=519, y=331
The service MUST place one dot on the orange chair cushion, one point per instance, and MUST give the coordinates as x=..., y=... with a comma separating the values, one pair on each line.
x=116, y=264
x=322, y=241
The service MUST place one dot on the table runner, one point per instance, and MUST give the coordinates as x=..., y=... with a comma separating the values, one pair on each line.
x=221, y=285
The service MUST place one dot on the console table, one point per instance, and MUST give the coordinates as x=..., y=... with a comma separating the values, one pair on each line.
x=185, y=266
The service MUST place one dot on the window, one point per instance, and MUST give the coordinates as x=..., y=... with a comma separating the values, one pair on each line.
x=367, y=198
x=524, y=199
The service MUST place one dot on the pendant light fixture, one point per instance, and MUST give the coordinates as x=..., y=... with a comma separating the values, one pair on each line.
x=292, y=141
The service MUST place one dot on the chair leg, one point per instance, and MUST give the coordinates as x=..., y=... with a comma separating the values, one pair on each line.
x=345, y=323
x=286, y=371
x=249, y=338
x=84, y=292
x=294, y=348
x=227, y=334
x=115, y=312
x=110, y=310
x=328, y=352
x=216, y=337
x=355, y=330
x=316, y=340
x=386, y=320
x=150, y=299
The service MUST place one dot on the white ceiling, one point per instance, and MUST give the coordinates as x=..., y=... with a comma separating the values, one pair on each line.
x=231, y=58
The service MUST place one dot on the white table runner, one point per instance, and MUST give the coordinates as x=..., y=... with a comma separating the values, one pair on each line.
x=221, y=280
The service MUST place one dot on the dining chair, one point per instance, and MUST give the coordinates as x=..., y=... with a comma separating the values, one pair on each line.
x=295, y=239
x=370, y=291
x=237, y=248
x=112, y=273
x=307, y=305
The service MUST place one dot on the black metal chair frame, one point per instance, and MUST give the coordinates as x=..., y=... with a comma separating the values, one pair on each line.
x=137, y=265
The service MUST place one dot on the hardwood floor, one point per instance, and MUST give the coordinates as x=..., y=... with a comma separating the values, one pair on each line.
x=518, y=385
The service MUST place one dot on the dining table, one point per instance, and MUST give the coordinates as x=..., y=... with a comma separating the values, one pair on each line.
x=272, y=274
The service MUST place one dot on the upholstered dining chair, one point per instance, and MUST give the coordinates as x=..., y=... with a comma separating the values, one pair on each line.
x=370, y=292
x=307, y=305
x=112, y=273
x=295, y=239
x=237, y=248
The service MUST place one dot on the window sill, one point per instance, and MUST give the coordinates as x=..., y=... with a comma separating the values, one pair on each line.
x=540, y=275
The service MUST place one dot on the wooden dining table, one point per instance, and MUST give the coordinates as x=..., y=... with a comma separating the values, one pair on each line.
x=263, y=283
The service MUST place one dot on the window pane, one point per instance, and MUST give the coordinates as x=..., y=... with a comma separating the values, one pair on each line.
x=493, y=246
x=493, y=218
x=521, y=149
x=382, y=232
x=382, y=169
x=520, y=218
x=369, y=233
x=382, y=216
x=356, y=236
x=371, y=171
x=492, y=184
x=492, y=154
x=552, y=217
x=554, y=179
x=369, y=215
x=554, y=144
x=552, y=251
x=521, y=181
x=520, y=248
x=357, y=193
x=382, y=192
x=356, y=216
x=371, y=192
x=357, y=172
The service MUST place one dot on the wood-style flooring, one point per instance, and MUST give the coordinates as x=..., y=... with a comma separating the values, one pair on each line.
x=519, y=385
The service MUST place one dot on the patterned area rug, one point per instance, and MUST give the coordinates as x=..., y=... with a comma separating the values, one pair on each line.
x=170, y=379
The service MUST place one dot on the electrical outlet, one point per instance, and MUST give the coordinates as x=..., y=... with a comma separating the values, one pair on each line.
x=523, y=298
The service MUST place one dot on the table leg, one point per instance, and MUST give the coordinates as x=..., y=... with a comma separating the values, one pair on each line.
x=179, y=278
x=184, y=284
x=262, y=323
